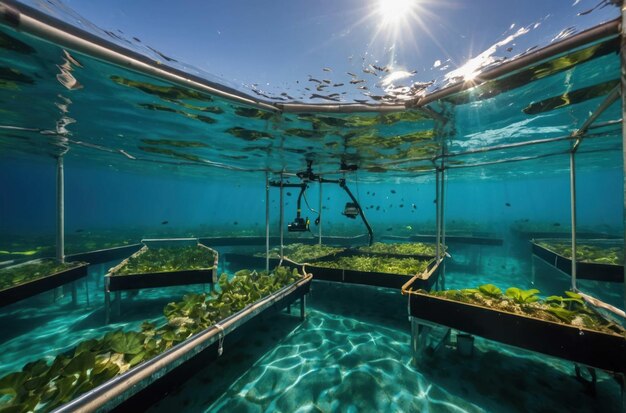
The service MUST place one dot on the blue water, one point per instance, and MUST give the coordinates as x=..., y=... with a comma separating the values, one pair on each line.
x=146, y=158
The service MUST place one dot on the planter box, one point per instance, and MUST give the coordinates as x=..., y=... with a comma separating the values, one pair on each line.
x=584, y=270
x=377, y=279
x=33, y=287
x=139, y=387
x=160, y=279
x=592, y=348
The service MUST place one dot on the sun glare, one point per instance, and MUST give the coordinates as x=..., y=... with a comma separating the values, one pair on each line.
x=392, y=11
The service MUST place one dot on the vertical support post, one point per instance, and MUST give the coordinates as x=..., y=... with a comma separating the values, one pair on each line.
x=60, y=241
x=282, y=215
x=267, y=221
x=572, y=188
x=442, y=222
x=303, y=307
x=623, y=83
x=437, y=217
x=319, y=225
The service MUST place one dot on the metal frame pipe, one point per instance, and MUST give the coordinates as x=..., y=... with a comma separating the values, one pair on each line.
x=60, y=201
x=572, y=183
x=267, y=221
x=623, y=90
x=319, y=212
x=605, y=30
x=437, y=216
x=282, y=217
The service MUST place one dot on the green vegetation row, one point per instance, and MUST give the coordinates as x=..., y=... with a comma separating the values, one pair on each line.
x=568, y=309
x=168, y=259
x=387, y=265
x=303, y=253
x=41, y=386
x=20, y=274
x=588, y=253
x=409, y=248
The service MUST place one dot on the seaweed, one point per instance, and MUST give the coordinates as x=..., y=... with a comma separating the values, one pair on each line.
x=42, y=387
x=154, y=260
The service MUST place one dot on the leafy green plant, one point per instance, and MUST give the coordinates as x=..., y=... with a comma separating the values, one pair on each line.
x=490, y=290
x=42, y=387
x=167, y=259
x=522, y=296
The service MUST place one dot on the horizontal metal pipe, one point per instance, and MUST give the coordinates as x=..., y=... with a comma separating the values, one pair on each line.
x=38, y=24
x=113, y=392
x=605, y=30
x=608, y=101
x=338, y=108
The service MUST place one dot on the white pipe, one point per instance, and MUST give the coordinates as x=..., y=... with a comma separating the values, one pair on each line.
x=60, y=247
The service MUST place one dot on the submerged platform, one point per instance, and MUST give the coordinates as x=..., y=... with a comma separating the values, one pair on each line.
x=577, y=344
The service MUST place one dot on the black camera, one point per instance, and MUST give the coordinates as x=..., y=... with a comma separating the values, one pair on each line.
x=351, y=210
x=299, y=225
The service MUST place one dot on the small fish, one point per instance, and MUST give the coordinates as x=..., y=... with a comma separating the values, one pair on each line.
x=324, y=207
x=80, y=230
x=414, y=206
x=327, y=69
x=356, y=81
x=235, y=223
x=314, y=80
x=507, y=204
x=373, y=193
x=351, y=74
x=378, y=208
x=288, y=193
x=165, y=222
x=401, y=205
x=328, y=199
x=393, y=191
x=337, y=84
x=556, y=224
x=390, y=229
x=372, y=206
x=409, y=227
x=368, y=192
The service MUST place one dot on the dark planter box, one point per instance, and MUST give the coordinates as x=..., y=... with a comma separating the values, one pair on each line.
x=49, y=282
x=584, y=270
x=588, y=347
x=105, y=255
x=161, y=279
x=377, y=279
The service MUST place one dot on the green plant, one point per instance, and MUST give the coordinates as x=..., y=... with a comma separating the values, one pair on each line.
x=490, y=290
x=302, y=253
x=42, y=387
x=522, y=296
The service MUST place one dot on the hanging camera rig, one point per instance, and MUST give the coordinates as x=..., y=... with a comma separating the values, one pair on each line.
x=351, y=210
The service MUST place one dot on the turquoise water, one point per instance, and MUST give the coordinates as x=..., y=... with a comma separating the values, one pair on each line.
x=147, y=158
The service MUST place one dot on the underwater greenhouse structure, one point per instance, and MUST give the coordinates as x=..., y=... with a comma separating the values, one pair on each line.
x=169, y=242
